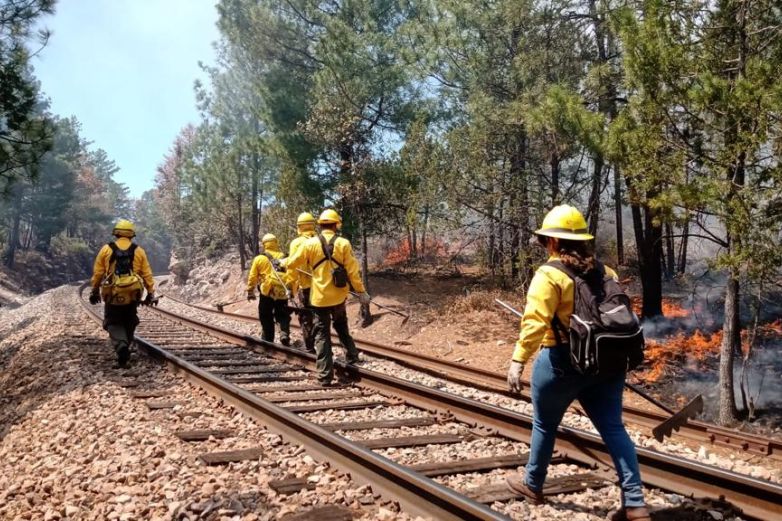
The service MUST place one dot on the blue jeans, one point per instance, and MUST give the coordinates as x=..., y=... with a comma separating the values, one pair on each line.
x=555, y=384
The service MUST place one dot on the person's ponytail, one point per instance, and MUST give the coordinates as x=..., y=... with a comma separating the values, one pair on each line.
x=577, y=255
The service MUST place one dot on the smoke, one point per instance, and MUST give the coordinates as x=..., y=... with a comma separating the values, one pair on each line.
x=763, y=377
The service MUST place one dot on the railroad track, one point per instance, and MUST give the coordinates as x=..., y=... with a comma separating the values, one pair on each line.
x=701, y=432
x=275, y=384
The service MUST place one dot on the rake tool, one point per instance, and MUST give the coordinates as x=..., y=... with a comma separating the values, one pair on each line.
x=381, y=306
x=221, y=305
x=666, y=428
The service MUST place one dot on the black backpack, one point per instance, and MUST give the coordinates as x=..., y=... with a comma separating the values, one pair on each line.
x=339, y=274
x=605, y=335
x=123, y=259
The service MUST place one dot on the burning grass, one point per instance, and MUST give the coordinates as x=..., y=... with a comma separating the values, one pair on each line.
x=678, y=349
x=696, y=349
x=671, y=308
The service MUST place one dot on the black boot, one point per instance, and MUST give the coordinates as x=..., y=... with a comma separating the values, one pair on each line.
x=123, y=357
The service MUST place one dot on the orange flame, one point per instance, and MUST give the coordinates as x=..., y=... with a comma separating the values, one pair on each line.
x=671, y=308
x=674, y=350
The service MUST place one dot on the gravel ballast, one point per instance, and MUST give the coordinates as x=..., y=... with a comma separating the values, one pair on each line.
x=75, y=443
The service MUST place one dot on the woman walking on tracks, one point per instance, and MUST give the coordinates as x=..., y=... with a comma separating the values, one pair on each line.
x=559, y=377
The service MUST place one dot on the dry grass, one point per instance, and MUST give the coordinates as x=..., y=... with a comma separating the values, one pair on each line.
x=481, y=300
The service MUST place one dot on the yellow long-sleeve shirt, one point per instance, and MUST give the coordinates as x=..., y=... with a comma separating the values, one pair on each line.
x=304, y=280
x=323, y=292
x=550, y=291
x=271, y=284
x=141, y=267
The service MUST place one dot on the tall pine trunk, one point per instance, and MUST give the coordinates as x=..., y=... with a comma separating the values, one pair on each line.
x=620, y=247
x=255, y=214
x=554, y=166
x=593, y=211
x=364, y=312
x=240, y=234
x=649, y=246
x=9, y=256
x=682, y=267
x=728, y=412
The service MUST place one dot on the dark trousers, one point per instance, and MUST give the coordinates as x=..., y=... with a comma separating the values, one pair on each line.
x=324, y=318
x=306, y=320
x=270, y=311
x=120, y=322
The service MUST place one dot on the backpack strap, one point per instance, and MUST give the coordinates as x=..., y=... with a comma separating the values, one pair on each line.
x=328, y=251
x=556, y=324
x=115, y=249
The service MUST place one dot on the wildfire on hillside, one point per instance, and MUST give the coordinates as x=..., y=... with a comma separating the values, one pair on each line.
x=676, y=349
x=695, y=347
x=671, y=309
x=403, y=252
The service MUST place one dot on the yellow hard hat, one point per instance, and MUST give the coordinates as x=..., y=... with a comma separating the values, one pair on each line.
x=269, y=237
x=330, y=216
x=565, y=222
x=124, y=228
x=305, y=218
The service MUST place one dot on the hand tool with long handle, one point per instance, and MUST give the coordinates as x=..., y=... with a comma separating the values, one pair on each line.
x=277, y=276
x=381, y=306
x=677, y=419
x=221, y=305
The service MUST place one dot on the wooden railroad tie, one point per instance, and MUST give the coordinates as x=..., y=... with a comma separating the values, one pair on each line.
x=327, y=513
x=208, y=362
x=411, y=441
x=564, y=485
x=264, y=378
x=473, y=465
x=155, y=405
x=345, y=406
x=293, y=388
x=289, y=486
x=203, y=435
x=231, y=456
x=258, y=369
x=149, y=393
x=306, y=397
x=420, y=421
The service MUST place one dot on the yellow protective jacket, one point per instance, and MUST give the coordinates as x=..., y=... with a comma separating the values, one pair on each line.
x=551, y=291
x=262, y=274
x=323, y=292
x=141, y=266
x=303, y=280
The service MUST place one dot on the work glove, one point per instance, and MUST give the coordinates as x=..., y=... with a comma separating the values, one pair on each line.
x=364, y=298
x=514, y=376
x=277, y=265
x=151, y=299
x=95, y=296
x=250, y=296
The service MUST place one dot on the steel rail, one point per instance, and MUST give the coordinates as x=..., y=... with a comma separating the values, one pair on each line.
x=493, y=382
x=416, y=494
x=755, y=498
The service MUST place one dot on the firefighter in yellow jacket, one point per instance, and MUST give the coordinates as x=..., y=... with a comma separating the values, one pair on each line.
x=334, y=268
x=305, y=225
x=275, y=288
x=119, y=276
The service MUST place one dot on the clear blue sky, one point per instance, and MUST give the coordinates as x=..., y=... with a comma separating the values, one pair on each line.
x=125, y=69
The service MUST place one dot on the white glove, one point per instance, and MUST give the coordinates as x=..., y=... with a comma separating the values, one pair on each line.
x=514, y=376
x=364, y=298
